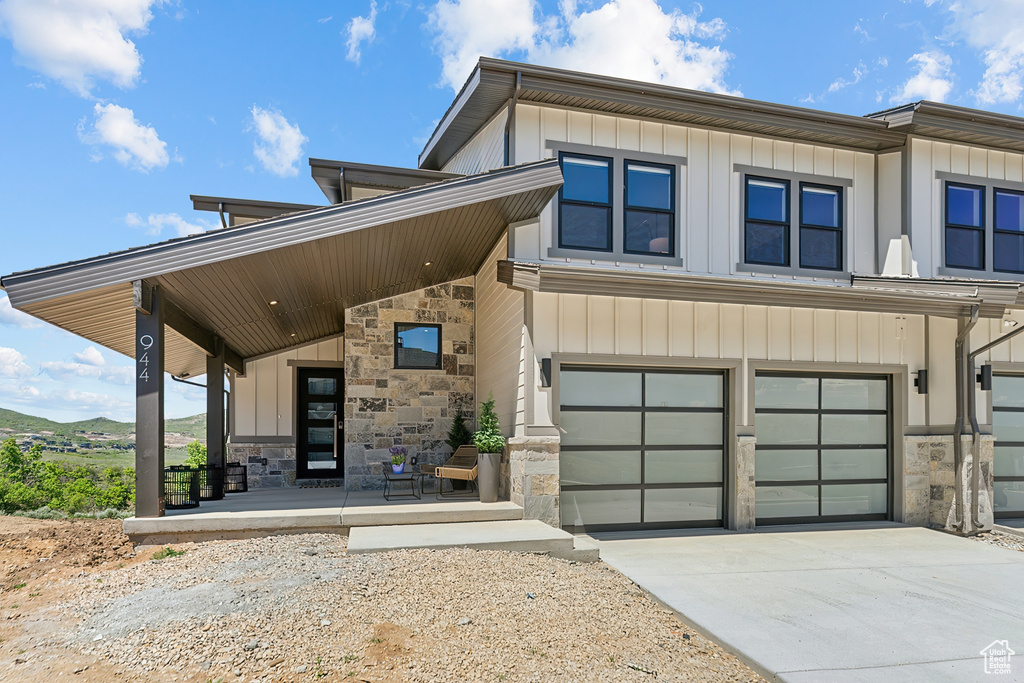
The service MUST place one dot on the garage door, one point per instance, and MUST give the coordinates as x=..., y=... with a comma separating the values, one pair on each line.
x=1008, y=459
x=641, y=449
x=824, y=448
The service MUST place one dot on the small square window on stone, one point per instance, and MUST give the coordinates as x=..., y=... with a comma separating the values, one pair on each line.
x=417, y=346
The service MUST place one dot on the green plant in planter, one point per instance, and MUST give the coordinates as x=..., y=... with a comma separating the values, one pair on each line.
x=489, y=439
x=459, y=434
x=398, y=454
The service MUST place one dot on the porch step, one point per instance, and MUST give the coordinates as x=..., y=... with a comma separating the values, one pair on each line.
x=378, y=513
x=523, y=535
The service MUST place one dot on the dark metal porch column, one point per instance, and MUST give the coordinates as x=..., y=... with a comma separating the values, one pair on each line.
x=149, y=401
x=215, y=408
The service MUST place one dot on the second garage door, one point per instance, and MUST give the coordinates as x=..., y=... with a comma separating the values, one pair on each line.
x=824, y=448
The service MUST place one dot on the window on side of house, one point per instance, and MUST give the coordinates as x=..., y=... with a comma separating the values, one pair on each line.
x=1008, y=232
x=965, y=226
x=821, y=227
x=585, y=203
x=649, y=212
x=417, y=346
x=766, y=226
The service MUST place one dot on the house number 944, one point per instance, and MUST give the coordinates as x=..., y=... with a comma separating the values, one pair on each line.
x=146, y=342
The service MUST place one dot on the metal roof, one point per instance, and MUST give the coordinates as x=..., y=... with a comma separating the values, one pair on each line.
x=333, y=177
x=493, y=82
x=249, y=208
x=888, y=297
x=315, y=264
x=960, y=124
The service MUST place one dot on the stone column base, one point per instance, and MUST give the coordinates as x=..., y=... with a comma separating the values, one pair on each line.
x=533, y=477
x=930, y=480
x=743, y=514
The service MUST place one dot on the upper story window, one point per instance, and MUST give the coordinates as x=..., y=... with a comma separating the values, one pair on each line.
x=982, y=226
x=621, y=204
x=965, y=226
x=1008, y=232
x=770, y=238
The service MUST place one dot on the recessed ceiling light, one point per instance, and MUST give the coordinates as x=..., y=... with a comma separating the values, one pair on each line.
x=293, y=334
x=428, y=263
x=274, y=302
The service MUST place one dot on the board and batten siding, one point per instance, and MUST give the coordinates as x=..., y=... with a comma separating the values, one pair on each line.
x=484, y=152
x=500, y=344
x=627, y=327
x=710, y=197
x=928, y=157
x=264, y=401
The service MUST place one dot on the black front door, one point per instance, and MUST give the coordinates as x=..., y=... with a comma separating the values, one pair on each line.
x=320, y=443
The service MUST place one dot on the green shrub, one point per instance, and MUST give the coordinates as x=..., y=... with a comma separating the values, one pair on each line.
x=196, y=455
x=489, y=439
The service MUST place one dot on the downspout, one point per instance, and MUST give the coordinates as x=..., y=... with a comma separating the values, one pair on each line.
x=511, y=117
x=220, y=209
x=962, y=382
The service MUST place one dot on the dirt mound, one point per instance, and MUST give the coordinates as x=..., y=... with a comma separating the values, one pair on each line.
x=30, y=548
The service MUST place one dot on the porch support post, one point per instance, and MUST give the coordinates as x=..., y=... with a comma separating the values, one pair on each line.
x=149, y=401
x=215, y=408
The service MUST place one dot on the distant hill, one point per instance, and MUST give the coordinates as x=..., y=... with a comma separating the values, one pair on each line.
x=194, y=426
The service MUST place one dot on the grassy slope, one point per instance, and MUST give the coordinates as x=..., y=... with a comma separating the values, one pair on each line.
x=194, y=426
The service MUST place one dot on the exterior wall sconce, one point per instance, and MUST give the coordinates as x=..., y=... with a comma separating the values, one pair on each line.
x=986, y=377
x=922, y=381
x=545, y=372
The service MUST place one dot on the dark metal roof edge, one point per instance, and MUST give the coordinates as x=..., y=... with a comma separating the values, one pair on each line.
x=239, y=206
x=221, y=235
x=377, y=168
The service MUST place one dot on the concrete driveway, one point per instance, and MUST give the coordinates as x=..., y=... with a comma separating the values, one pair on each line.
x=841, y=603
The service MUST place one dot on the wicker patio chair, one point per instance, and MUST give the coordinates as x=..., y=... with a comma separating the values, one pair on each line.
x=461, y=466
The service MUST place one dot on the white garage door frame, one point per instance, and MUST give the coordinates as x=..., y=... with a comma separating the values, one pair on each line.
x=730, y=369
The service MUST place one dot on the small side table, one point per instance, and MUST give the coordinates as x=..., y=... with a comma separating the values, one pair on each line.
x=413, y=479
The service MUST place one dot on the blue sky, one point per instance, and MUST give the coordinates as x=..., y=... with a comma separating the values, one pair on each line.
x=116, y=110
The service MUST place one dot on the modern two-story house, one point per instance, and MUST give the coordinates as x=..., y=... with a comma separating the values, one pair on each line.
x=691, y=309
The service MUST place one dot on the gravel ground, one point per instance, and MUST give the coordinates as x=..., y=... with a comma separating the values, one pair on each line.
x=296, y=608
x=1002, y=540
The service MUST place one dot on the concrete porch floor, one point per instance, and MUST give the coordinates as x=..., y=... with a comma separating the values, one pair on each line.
x=295, y=510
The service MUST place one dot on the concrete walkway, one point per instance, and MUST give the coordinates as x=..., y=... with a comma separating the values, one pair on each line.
x=838, y=603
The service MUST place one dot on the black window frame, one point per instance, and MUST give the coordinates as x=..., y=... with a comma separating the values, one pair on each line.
x=786, y=224
x=983, y=228
x=440, y=354
x=812, y=226
x=997, y=231
x=575, y=202
x=626, y=207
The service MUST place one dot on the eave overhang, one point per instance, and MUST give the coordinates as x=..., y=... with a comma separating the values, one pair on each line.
x=314, y=264
x=957, y=124
x=493, y=82
x=337, y=178
x=885, y=297
x=247, y=208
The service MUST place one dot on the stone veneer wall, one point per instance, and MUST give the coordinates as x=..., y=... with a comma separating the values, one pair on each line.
x=744, y=484
x=533, y=478
x=929, y=480
x=385, y=407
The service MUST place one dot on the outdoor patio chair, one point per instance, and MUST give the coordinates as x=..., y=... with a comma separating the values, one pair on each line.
x=461, y=466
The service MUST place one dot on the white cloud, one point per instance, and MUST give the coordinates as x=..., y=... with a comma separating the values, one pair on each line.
x=90, y=356
x=668, y=47
x=80, y=41
x=278, y=144
x=156, y=223
x=135, y=145
x=64, y=371
x=9, y=315
x=933, y=80
x=360, y=30
x=12, y=363
x=858, y=73
x=84, y=403
x=995, y=29
x=324, y=20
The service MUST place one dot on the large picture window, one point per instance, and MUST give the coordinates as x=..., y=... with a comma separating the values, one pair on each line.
x=585, y=203
x=417, y=346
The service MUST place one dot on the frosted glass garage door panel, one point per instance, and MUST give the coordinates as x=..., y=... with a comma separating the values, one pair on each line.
x=674, y=390
x=854, y=429
x=853, y=499
x=1007, y=426
x=861, y=463
x=1009, y=496
x=599, y=467
x=600, y=388
x=682, y=505
x=783, y=429
x=682, y=467
x=785, y=465
x=582, y=508
x=689, y=429
x=585, y=428
x=1008, y=391
x=785, y=501
x=854, y=394
x=1008, y=461
x=786, y=392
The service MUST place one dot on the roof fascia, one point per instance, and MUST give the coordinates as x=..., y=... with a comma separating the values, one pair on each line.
x=247, y=207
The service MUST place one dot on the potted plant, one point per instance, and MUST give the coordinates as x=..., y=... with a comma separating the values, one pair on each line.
x=459, y=435
x=398, y=454
x=490, y=443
